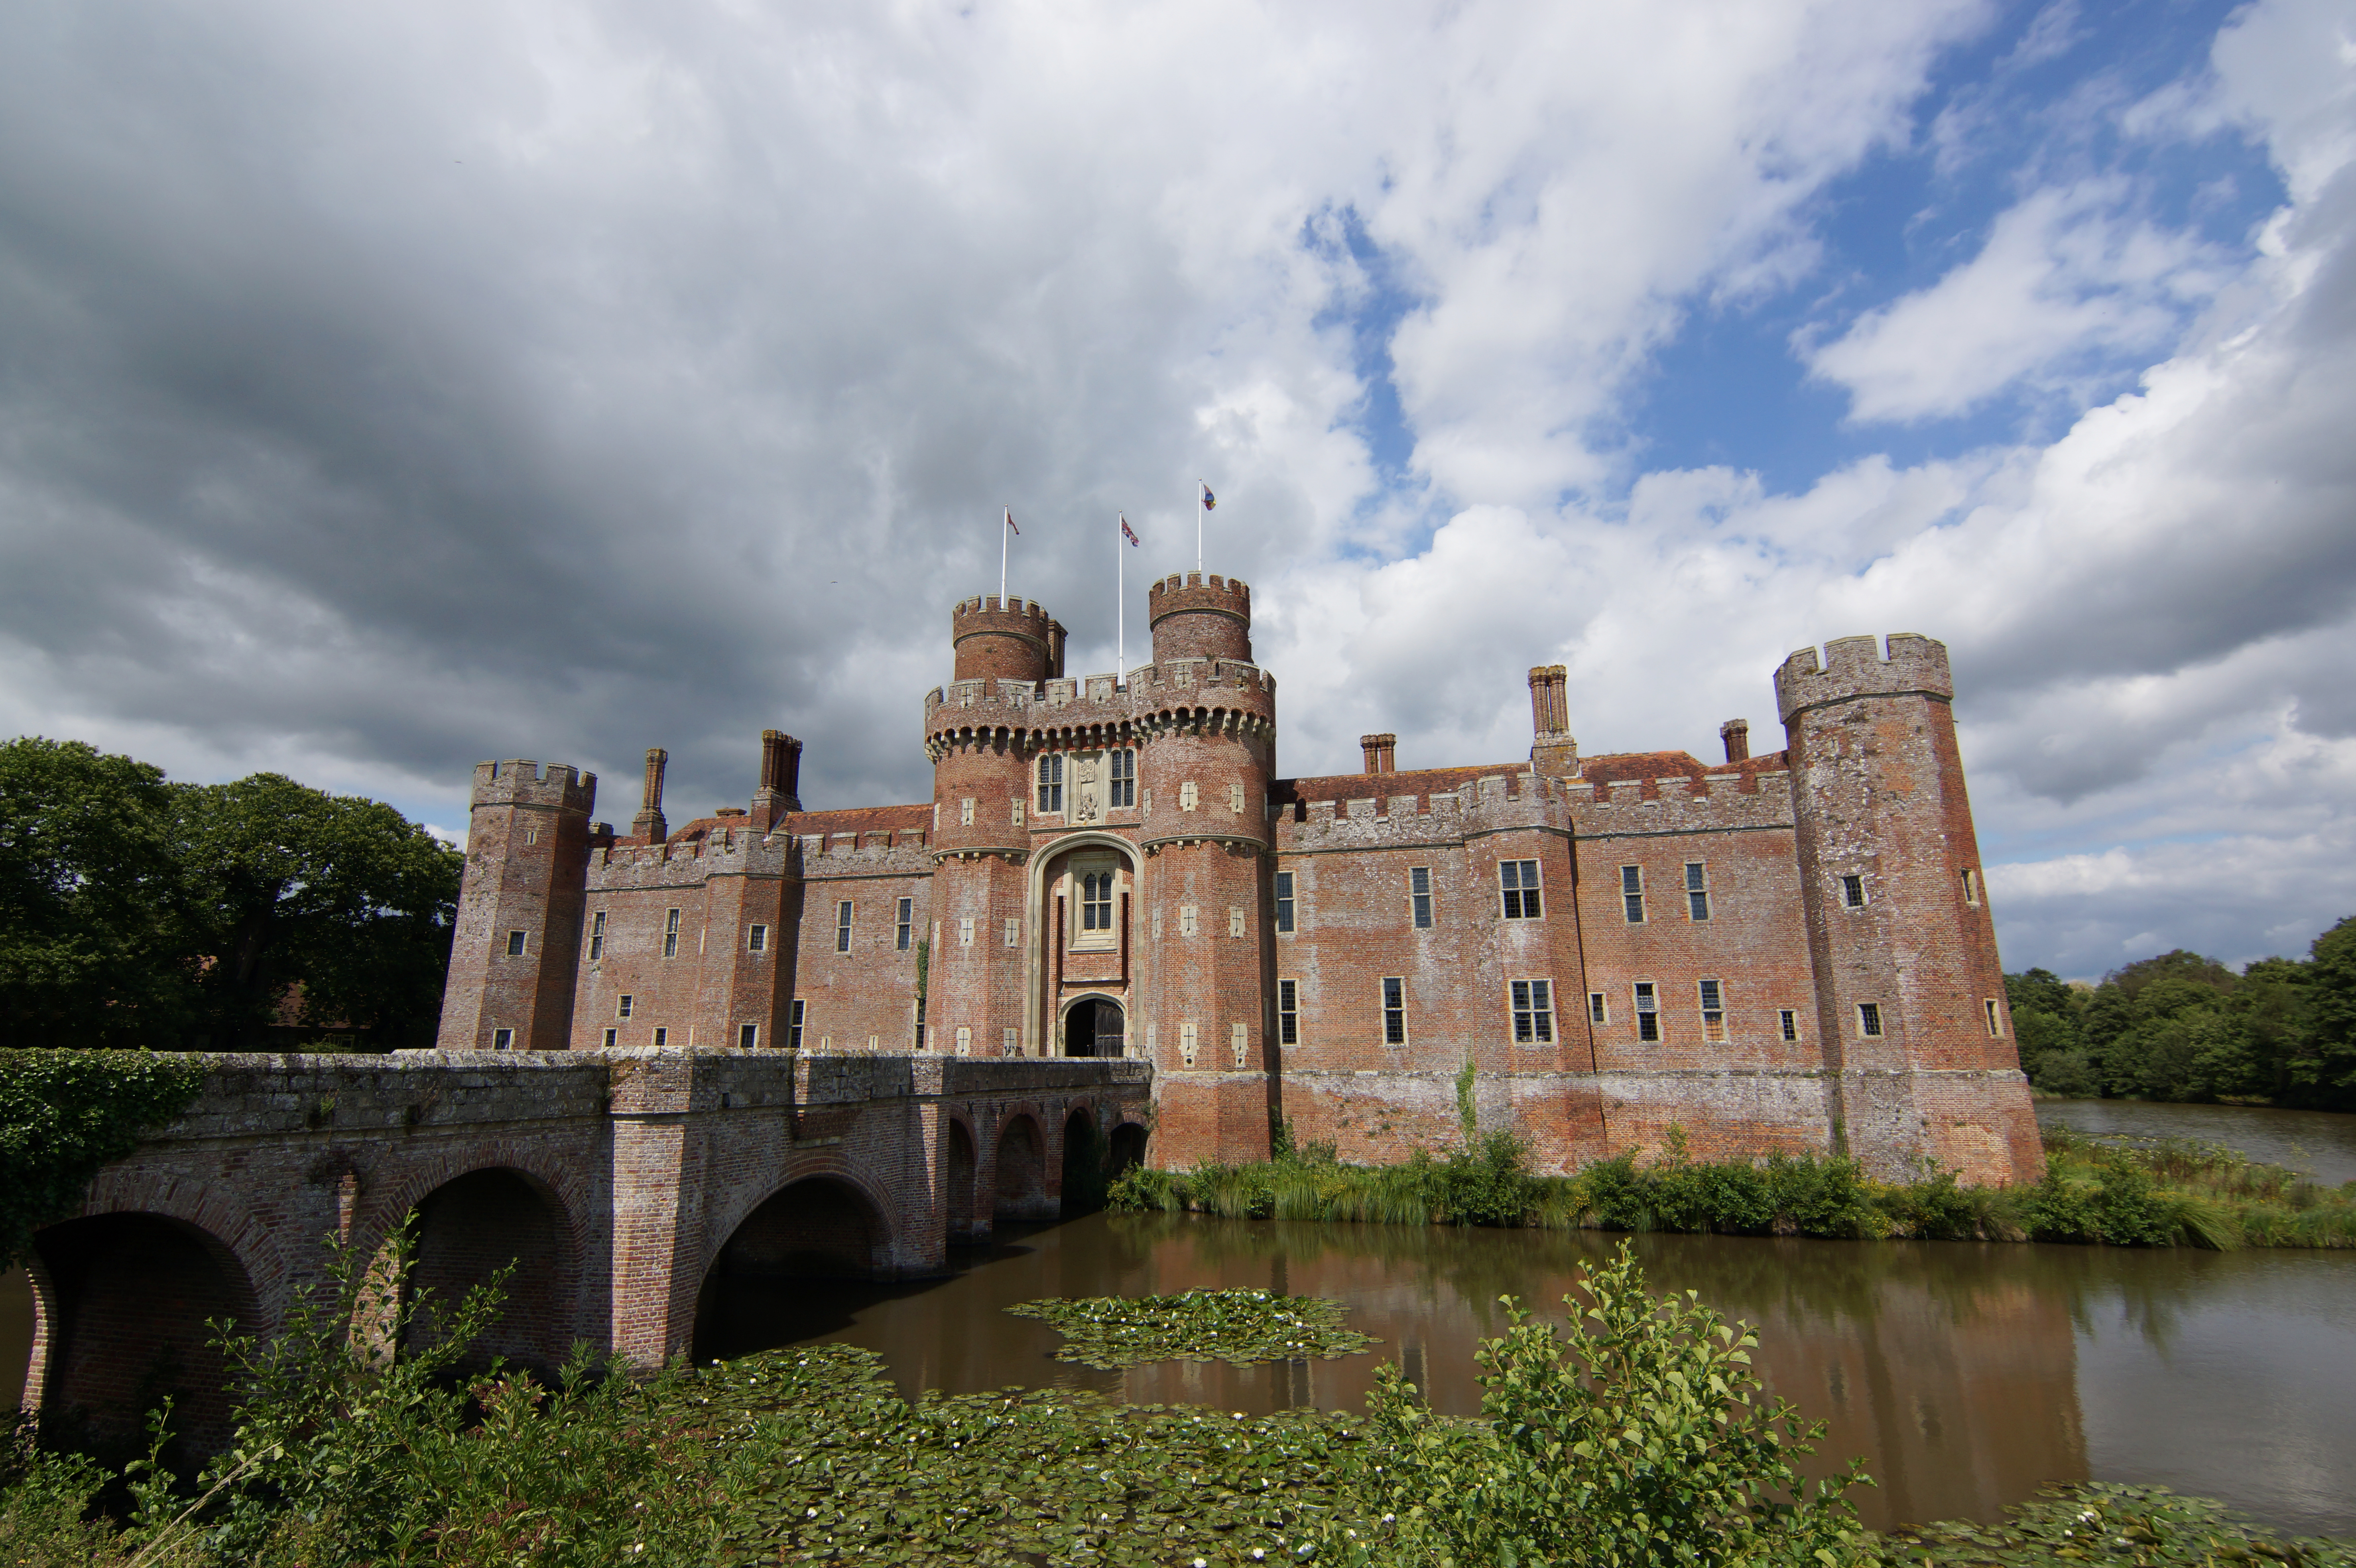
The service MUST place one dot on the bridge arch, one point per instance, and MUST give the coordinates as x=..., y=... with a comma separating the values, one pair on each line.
x=820, y=1225
x=1019, y=1184
x=123, y=1301
x=961, y=1166
x=1125, y=1149
x=481, y=1220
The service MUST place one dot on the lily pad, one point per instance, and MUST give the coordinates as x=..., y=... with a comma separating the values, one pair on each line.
x=1113, y=1332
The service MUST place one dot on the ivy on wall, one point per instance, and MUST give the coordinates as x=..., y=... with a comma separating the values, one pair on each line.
x=64, y=1113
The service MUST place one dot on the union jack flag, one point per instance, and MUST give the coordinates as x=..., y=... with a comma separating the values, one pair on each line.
x=1126, y=532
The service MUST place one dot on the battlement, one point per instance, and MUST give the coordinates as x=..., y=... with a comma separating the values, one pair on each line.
x=1096, y=702
x=1199, y=617
x=1005, y=639
x=1381, y=820
x=521, y=782
x=1643, y=807
x=1182, y=591
x=1855, y=667
x=988, y=611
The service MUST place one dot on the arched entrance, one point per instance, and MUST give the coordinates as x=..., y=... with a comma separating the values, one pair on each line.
x=1084, y=1165
x=1126, y=1151
x=780, y=1274
x=965, y=1225
x=124, y=1301
x=468, y=1229
x=1093, y=1026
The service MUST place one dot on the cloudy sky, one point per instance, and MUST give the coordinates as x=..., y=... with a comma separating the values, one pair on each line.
x=387, y=388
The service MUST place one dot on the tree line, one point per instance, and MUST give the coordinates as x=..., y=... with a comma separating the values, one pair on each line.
x=139, y=911
x=2182, y=1026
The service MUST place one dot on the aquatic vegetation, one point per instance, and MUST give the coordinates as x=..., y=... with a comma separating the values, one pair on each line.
x=2149, y=1527
x=1111, y=1332
x=2104, y=1193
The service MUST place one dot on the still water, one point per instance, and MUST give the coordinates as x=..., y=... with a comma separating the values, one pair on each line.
x=1966, y=1374
x=2320, y=1143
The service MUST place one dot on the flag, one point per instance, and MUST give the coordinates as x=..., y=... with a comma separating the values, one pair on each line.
x=1210, y=502
x=1010, y=522
x=1126, y=532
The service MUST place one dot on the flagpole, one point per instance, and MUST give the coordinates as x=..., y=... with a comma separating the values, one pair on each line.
x=1005, y=526
x=1120, y=602
x=1200, y=489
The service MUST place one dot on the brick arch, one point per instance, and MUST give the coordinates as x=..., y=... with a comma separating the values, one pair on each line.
x=1021, y=1160
x=123, y=1297
x=494, y=1217
x=961, y=1169
x=385, y=1202
x=827, y=1165
x=218, y=1211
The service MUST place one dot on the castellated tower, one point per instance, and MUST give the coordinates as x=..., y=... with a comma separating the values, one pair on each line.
x=1207, y=965
x=981, y=748
x=519, y=926
x=1910, y=992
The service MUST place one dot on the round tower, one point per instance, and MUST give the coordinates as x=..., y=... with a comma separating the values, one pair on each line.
x=1199, y=617
x=1207, y=965
x=977, y=732
x=1910, y=991
x=1005, y=639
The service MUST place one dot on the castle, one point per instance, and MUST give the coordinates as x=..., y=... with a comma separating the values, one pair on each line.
x=1784, y=952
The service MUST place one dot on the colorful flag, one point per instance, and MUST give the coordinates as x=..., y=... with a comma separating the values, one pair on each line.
x=1210, y=502
x=1009, y=521
x=1126, y=531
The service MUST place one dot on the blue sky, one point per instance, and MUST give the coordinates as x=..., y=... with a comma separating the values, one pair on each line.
x=384, y=391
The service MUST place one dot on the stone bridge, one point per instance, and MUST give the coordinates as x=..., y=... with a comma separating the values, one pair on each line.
x=624, y=1184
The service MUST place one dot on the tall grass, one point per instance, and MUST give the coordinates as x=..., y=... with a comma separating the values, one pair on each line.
x=2118, y=1194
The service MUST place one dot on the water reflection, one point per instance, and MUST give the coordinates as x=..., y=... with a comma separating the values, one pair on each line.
x=1967, y=1375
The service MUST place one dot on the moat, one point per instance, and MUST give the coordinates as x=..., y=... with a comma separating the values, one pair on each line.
x=1966, y=1374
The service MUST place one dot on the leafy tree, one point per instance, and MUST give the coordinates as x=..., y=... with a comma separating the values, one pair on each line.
x=289, y=885
x=2324, y=1074
x=2175, y=965
x=89, y=919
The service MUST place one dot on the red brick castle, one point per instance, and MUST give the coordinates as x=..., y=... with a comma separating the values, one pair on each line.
x=1790, y=951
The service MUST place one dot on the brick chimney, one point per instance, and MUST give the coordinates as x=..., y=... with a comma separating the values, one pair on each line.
x=649, y=827
x=1552, y=749
x=1379, y=749
x=781, y=771
x=1735, y=733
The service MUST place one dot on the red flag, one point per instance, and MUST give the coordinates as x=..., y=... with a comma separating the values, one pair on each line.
x=1010, y=522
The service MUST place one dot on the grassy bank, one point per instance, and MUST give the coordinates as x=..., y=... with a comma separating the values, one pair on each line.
x=1640, y=1437
x=2162, y=1194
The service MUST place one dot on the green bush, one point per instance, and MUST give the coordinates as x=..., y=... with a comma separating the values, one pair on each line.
x=1638, y=1439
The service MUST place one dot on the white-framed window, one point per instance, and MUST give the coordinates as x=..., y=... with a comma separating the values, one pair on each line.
x=611, y=1036
x=1188, y=796
x=1010, y=1042
x=1712, y=999
x=1394, y=1010
x=670, y=933
x=1050, y=784
x=1121, y=789
x=1995, y=1018
x=1787, y=1022
x=1869, y=1019
x=1852, y=890
x=1599, y=1008
x=1519, y=880
x=964, y=812
x=1236, y=798
x=1648, y=1011
x=1235, y=920
x=597, y=936
x=1532, y=1011
x=1632, y=894
x=1013, y=932
x=1697, y=891
x=515, y=944
x=1419, y=896
x=1971, y=887
x=1186, y=1041
x=1284, y=902
x=662, y=1037
x=965, y=1039
x=904, y=924
x=1288, y=1012
x=503, y=1040
x=1186, y=919
x=965, y=930
x=748, y=1037
x=796, y=1012
x=1239, y=1042
x=1096, y=900
x=623, y=1004
x=843, y=925
x=757, y=939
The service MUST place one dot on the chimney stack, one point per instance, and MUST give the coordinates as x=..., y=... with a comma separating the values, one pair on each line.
x=649, y=827
x=781, y=772
x=1379, y=749
x=1735, y=733
x=1553, y=752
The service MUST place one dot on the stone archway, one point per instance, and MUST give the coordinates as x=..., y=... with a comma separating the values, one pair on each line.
x=1093, y=1026
x=125, y=1300
x=470, y=1228
x=964, y=1224
x=1021, y=1189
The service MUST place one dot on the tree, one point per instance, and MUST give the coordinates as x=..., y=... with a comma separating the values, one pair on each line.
x=343, y=895
x=2324, y=1074
x=91, y=950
